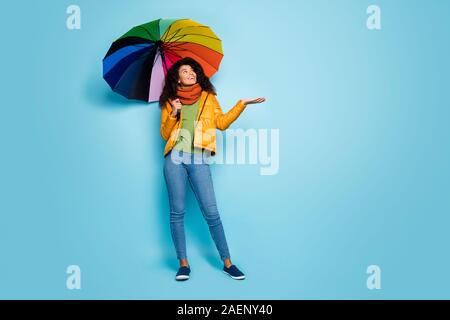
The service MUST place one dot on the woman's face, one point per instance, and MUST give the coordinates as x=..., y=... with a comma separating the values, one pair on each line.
x=187, y=75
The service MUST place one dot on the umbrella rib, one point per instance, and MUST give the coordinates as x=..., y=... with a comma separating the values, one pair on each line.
x=202, y=59
x=179, y=47
x=121, y=76
x=184, y=50
x=180, y=29
x=147, y=53
x=154, y=60
x=171, y=45
x=163, y=58
x=159, y=29
x=192, y=34
x=149, y=35
x=181, y=44
x=170, y=27
x=175, y=33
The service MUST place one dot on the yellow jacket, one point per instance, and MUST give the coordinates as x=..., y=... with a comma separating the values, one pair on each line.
x=209, y=118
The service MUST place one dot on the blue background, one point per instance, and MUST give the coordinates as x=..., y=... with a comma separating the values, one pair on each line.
x=364, y=154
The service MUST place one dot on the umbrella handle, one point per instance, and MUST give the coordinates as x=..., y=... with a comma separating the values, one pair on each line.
x=178, y=110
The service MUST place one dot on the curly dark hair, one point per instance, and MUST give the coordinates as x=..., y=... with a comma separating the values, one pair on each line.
x=170, y=86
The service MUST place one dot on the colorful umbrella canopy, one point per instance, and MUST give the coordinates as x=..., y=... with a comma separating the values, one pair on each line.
x=136, y=64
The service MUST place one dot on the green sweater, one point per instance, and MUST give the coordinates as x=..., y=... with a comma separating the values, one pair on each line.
x=185, y=140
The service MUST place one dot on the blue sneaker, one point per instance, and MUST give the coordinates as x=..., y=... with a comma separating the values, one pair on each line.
x=234, y=272
x=183, y=274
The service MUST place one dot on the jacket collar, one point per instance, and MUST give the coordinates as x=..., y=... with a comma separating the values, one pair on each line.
x=201, y=102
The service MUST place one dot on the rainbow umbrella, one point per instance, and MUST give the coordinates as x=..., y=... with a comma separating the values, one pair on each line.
x=136, y=64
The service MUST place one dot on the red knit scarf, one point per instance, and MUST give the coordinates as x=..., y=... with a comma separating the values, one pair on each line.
x=190, y=94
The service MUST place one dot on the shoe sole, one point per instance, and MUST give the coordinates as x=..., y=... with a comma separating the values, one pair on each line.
x=235, y=278
x=181, y=278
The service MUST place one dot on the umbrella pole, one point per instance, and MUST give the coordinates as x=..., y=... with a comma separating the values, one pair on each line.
x=163, y=57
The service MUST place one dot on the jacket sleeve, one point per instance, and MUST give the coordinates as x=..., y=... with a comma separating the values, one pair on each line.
x=167, y=122
x=224, y=120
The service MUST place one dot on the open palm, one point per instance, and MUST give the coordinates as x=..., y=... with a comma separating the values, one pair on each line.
x=252, y=101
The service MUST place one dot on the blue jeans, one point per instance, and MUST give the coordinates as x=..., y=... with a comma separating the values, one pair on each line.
x=179, y=167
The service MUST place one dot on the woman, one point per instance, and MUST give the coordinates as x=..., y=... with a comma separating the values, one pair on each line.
x=189, y=117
